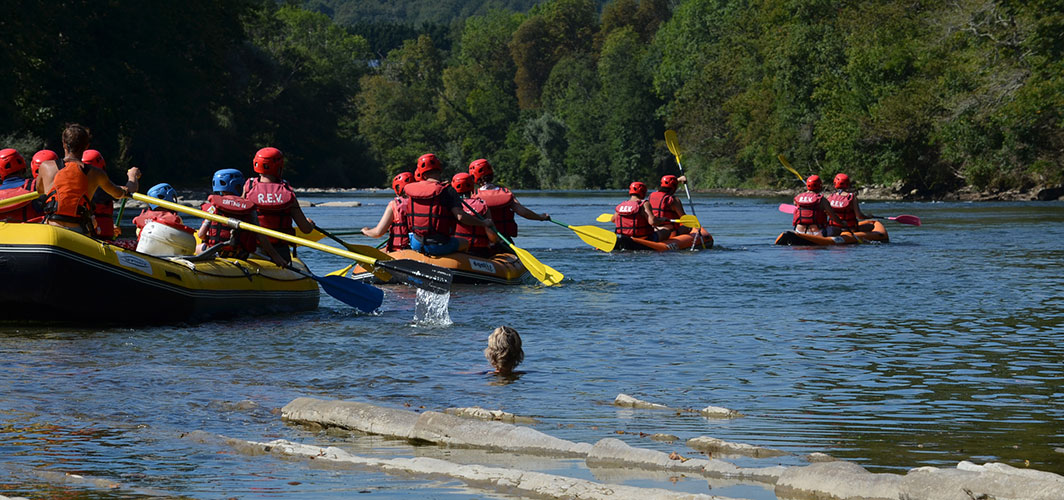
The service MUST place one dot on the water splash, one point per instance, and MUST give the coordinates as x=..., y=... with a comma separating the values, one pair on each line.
x=430, y=309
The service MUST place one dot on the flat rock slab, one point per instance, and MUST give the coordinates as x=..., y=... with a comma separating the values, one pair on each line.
x=338, y=204
x=630, y=402
x=510, y=481
x=485, y=414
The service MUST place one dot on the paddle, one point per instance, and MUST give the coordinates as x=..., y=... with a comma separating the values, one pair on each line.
x=19, y=199
x=419, y=274
x=684, y=220
x=788, y=166
x=674, y=148
x=597, y=237
x=542, y=272
x=356, y=294
x=911, y=220
x=362, y=249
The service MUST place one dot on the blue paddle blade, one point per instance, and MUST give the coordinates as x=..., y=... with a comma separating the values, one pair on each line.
x=364, y=297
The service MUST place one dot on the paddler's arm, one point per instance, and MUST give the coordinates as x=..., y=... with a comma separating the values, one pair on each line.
x=654, y=221
x=523, y=211
x=99, y=177
x=302, y=222
x=384, y=225
x=45, y=176
x=469, y=220
x=834, y=216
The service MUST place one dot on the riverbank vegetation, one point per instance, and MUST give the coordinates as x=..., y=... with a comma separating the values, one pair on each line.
x=931, y=96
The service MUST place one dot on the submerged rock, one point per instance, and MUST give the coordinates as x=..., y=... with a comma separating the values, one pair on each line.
x=714, y=445
x=630, y=402
x=483, y=414
x=719, y=412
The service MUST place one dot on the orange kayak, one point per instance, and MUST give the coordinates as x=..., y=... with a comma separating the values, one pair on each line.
x=871, y=231
x=676, y=242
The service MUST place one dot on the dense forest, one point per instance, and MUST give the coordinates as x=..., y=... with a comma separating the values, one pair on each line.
x=931, y=96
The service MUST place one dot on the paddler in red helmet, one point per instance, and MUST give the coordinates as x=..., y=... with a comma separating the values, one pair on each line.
x=274, y=199
x=435, y=209
x=480, y=240
x=812, y=210
x=393, y=220
x=15, y=181
x=633, y=217
x=501, y=201
x=844, y=202
x=666, y=207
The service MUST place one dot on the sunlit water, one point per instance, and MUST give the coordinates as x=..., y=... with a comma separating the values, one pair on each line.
x=944, y=345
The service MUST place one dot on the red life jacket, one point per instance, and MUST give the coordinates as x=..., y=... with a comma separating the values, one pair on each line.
x=842, y=202
x=103, y=209
x=501, y=203
x=233, y=207
x=69, y=199
x=632, y=220
x=428, y=218
x=808, y=210
x=661, y=206
x=274, y=201
x=19, y=212
x=399, y=233
x=477, y=235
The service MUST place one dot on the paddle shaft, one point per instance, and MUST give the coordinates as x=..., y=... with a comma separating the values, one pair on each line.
x=675, y=150
x=247, y=226
x=19, y=199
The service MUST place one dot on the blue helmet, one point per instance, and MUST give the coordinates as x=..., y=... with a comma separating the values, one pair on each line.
x=228, y=180
x=162, y=191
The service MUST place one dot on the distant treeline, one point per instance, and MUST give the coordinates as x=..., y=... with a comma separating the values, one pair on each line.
x=568, y=94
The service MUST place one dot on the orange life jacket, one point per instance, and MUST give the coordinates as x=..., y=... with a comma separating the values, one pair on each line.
x=428, y=218
x=808, y=210
x=661, y=206
x=632, y=220
x=274, y=201
x=399, y=233
x=842, y=203
x=233, y=207
x=19, y=212
x=69, y=199
x=477, y=235
x=501, y=203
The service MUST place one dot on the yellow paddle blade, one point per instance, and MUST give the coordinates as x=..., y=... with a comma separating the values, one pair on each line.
x=376, y=253
x=688, y=220
x=341, y=272
x=604, y=218
x=788, y=166
x=672, y=143
x=597, y=237
x=545, y=274
x=314, y=235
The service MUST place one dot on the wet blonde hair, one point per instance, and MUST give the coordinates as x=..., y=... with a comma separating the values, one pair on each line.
x=504, y=350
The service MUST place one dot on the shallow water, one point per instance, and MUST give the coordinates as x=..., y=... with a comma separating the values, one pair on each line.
x=942, y=346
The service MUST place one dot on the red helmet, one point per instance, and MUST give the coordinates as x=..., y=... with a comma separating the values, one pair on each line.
x=41, y=157
x=268, y=161
x=669, y=181
x=813, y=183
x=427, y=163
x=11, y=163
x=462, y=182
x=94, y=158
x=842, y=181
x=481, y=170
x=637, y=188
x=400, y=181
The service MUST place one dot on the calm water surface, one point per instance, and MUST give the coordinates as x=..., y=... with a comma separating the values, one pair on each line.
x=941, y=346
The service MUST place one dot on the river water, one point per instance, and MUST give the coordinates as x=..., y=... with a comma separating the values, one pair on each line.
x=942, y=346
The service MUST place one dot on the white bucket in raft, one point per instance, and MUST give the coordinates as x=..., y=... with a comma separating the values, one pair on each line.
x=160, y=239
